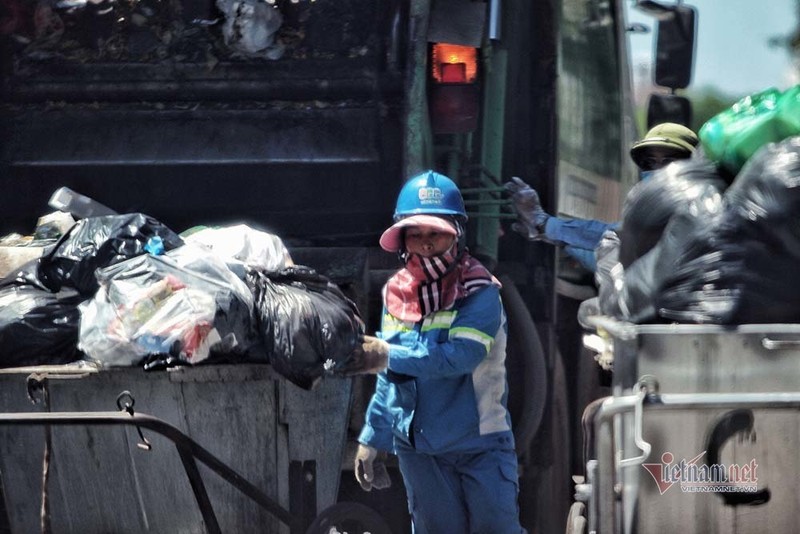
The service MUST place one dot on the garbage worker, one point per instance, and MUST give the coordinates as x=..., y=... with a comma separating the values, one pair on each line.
x=663, y=144
x=440, y=398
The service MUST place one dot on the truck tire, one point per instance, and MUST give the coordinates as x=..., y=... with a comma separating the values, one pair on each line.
x=349, y=517
x=526, y=366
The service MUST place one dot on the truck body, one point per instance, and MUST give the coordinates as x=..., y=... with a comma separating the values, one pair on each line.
x=156, y=111
x=699, y=434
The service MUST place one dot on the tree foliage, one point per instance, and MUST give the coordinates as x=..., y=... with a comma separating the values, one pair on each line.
x=707, y=101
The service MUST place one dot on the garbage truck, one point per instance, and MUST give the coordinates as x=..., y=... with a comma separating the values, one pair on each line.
x=699, y=325
x=301, y=118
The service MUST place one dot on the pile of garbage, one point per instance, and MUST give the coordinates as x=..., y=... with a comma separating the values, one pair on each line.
x=202, y=35
x=147, y=31
x=714, y=239
x=125, y=290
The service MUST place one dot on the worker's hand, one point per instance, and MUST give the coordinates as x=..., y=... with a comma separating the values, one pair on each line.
x=370, y=357
x=532, y=216
x=370, y=468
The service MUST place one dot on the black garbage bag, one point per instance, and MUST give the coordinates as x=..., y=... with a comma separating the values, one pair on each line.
x=650, y=204
x=26, y=274
x=305, y=321
x=99, y=242
x=38, y=327
x=629, y=293
x=644, y=279
x=608, y=274
x=740, y=266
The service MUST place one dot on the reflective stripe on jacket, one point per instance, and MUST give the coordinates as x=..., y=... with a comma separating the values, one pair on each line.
x=446, y=381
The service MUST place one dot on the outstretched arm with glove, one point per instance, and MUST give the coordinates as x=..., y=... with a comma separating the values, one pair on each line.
x=532, y=217
x=580, y=236
x=471, y=334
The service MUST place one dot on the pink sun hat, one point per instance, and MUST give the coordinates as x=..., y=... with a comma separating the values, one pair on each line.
x=392, y=238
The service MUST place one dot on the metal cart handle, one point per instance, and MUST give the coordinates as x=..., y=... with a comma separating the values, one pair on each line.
x=778, y=344
x=188, y=450
x=643, y=446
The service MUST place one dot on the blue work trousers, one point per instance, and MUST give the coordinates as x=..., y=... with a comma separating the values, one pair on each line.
x=462, y=493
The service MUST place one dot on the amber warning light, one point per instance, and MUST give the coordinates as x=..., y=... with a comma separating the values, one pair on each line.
x=454, y=63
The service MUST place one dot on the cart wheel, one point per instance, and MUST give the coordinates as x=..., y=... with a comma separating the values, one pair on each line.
x=349, y=517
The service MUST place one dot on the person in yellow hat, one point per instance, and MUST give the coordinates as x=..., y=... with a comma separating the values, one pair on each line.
x=663, y=144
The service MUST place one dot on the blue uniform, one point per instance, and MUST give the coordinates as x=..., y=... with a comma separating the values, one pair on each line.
x=441, y=407
x=579, y=236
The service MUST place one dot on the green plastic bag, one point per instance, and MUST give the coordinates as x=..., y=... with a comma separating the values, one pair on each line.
x=732, y=136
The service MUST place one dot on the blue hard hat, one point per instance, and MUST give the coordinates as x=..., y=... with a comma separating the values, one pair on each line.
x=432, y=193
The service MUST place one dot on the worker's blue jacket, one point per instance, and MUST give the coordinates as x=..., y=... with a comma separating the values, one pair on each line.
x=445, y=388
x=580, y=237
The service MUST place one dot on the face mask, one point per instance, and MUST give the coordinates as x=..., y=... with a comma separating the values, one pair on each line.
x=645, y=175
x=433, y=268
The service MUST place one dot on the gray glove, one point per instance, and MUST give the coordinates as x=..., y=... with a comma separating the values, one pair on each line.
x=370, y=468
x=370, y=357
x=532, y=217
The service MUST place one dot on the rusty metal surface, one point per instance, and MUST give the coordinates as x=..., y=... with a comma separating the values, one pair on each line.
x=101, y=481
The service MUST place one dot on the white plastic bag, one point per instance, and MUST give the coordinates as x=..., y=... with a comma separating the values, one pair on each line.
x=241, y=246
x=182, y=304
x=250, y=27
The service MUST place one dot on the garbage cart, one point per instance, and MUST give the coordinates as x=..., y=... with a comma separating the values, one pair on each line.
x=701, y=434
x=217, y=448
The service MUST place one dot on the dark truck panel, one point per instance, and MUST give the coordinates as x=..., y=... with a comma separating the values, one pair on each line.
x=299, y=173
x=308, y=145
